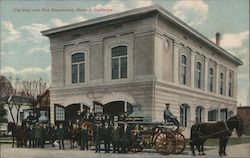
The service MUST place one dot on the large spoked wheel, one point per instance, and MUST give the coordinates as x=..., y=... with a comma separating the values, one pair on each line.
x=179, y=143
x=164, y=143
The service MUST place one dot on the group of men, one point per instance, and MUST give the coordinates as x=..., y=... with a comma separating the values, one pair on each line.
x=118, y=136
x=104, y=130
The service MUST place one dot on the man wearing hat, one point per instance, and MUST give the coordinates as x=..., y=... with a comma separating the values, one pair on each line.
x=97, y=136
x=169, y=117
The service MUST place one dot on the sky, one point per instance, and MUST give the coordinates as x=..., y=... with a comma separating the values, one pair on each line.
x=25, y=52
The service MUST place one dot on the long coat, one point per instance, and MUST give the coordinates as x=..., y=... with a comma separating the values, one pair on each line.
x=60, y=133
x=97, y=133
x=31, y=134
x=84, y=135
x=106, y=134
x=37, y=131
x=116, y=134
x=126, y=135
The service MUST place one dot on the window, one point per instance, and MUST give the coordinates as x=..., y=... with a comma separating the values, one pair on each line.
x=184, y=114
x=183, y=69
x=78, y=67
x=223, y=114
x=221, y=83
x=211, y=79
x=230, y=85
x=213, y=115
x=119, y=62
x=21, y=115
x=199, y=113
x=198, y=75
x=60, y=113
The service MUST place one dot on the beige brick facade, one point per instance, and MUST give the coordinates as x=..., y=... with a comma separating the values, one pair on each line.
x=155, y=42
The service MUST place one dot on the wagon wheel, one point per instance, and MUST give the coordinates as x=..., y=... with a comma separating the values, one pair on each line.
x=179, y=143
x=164, y=143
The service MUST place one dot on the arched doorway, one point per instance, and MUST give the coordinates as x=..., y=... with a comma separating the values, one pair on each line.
x=71, y=112
x=117, y=108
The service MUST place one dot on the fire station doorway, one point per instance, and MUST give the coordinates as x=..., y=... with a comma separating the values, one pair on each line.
x=117, y=108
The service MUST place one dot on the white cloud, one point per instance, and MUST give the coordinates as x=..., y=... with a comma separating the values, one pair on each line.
x=27, y=70
x=26, y=73
x=11, y=33
x=234, y=40
x=7, y=53
x=193, y=12
x=143, y=3
x=112, y=6
x=38, y=50
x=8, y=70
x=78, y=19
x=34, y=30
x=58, y=22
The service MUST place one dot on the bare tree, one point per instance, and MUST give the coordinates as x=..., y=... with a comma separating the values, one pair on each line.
x=22, y=93
x=33, y=89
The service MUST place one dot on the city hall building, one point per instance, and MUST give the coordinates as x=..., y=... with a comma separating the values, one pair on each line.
x=145, y=57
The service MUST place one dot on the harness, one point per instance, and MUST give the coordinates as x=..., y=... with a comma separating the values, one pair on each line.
x=203, y=136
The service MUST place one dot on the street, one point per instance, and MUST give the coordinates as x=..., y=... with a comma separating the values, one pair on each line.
x=240, y=150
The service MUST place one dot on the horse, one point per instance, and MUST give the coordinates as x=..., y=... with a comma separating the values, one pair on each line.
x=12, y=127
x=74, y=135
x=200, y=132
x=18, y=132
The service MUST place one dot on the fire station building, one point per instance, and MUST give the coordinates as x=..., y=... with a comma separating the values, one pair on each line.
x=145, y=56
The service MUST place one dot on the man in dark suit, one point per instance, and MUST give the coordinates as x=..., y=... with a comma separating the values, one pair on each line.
x=169, y=117
x=43, y=135
x=97, y=136
x=60, y=136
x=106, y=136
x=30, y=119
x=31, y=136
x=116, y=137
x=126, y=138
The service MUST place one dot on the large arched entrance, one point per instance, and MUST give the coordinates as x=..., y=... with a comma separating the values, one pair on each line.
x=117, y=108
x=69, y=113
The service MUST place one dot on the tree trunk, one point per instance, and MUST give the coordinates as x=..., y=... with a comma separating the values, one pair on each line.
x=11, y=114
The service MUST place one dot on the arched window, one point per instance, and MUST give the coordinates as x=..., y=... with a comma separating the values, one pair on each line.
x=230, y=85
x=119, y=62
x=211, y=79
x=183, y=69
x=78, y=68
x=184, y=112
x=198, y=75
x=221, y=83
x=59, y=113
x=199, y=113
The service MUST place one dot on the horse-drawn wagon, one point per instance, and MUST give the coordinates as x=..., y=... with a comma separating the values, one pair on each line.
x=163, y=137
x=145, y=134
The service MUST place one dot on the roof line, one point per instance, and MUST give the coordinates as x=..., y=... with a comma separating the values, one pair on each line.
x=142, y=10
